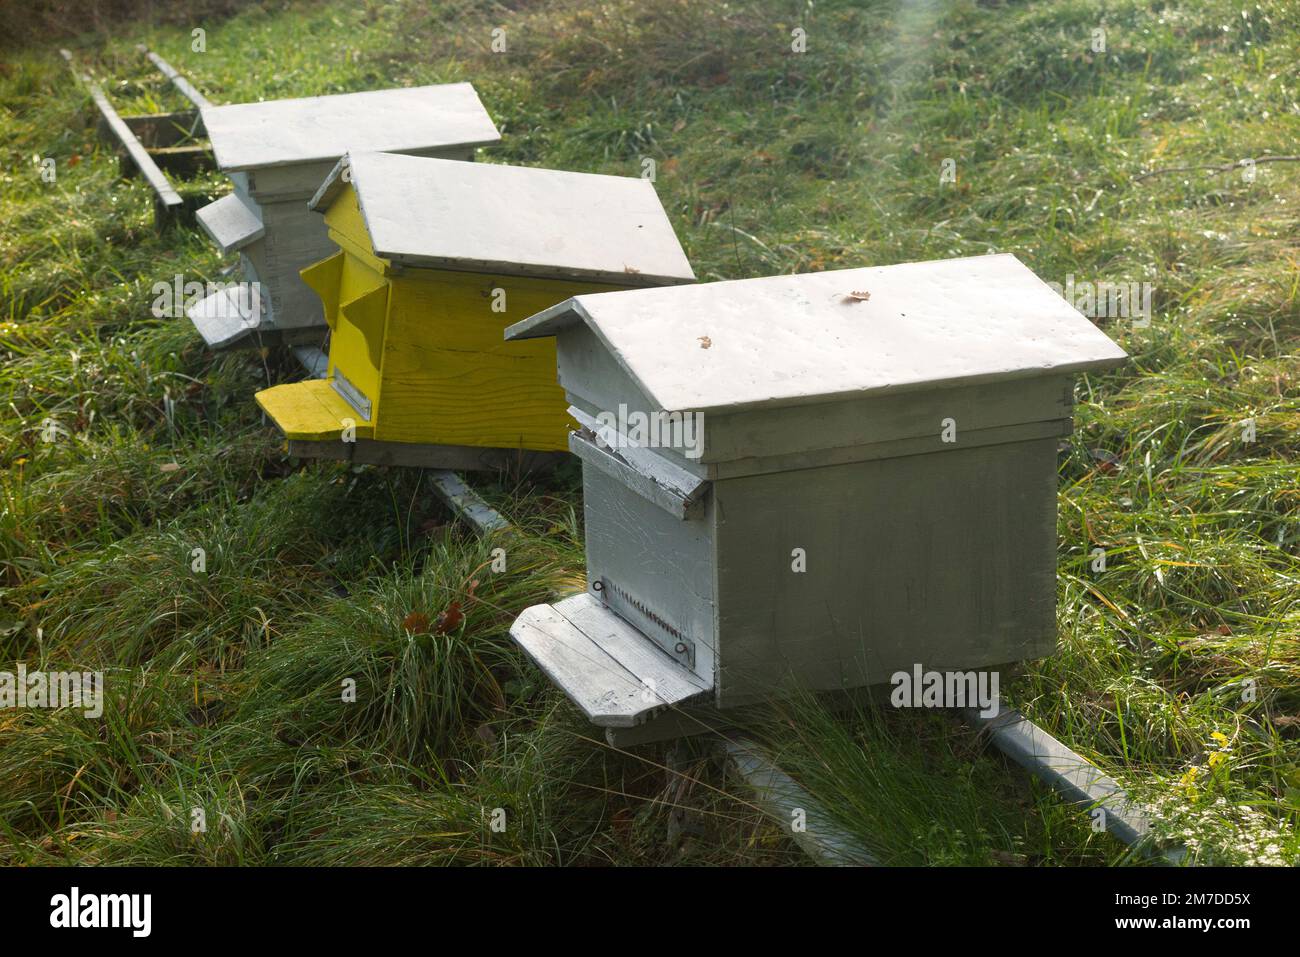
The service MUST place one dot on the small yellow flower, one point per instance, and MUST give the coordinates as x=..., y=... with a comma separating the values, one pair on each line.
x=1220, y=737
x=1217, y=758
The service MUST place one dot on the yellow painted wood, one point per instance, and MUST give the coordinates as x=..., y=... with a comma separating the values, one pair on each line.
x=367, y=313
x=451, y=378
x=463, y=398
x=357, y=342
x=347, y=227
x=311, y=411
x=426, y=347
x=323, y=279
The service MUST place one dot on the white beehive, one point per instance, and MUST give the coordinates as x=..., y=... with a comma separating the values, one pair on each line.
x=872, y=485
x=277, y=153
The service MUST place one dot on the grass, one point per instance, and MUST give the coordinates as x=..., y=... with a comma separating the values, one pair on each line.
x=1179, y=668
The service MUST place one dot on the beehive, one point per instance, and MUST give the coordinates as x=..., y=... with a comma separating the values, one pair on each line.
x=276, y=153
x=434, y=259
x=872, y=483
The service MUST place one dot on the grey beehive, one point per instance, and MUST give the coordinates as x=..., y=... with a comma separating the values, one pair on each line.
x=874, y=485
x=277, y=153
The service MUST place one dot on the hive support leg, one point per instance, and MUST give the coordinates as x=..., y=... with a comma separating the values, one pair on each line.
x=791, y=807
x=1074, y=777
x=183, y=161
x=465, y=503
x=313, y=360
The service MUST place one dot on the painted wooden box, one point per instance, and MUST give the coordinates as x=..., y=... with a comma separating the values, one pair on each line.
x=276, y=153
x=433, y=260
x=811, y=481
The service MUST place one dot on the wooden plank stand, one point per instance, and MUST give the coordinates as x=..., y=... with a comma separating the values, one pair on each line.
x=151, y=143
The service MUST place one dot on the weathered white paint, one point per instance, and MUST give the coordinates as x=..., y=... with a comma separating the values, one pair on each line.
x=616, y=677
x=223, y=317
x=656, y=478
x=785, y=340
x=232, y=221
x=481, y=217
x=466, y=503
x=248, y=136
x=1074, y=777
x=824, y=399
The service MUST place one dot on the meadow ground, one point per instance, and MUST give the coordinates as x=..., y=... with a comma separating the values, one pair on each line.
x=124, y=445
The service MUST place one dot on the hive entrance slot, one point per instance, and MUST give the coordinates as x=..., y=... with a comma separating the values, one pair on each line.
x=653, y=625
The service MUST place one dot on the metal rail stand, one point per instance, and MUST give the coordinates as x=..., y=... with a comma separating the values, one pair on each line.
x=466, y=504
x=781, y=798
x=1074, y=777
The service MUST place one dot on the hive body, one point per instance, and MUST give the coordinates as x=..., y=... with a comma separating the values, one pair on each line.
x=276, y=154
x=870, y=489
x=418, y=364
x=915, y=553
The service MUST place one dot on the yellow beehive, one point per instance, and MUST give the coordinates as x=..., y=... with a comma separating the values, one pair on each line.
x=435, y=259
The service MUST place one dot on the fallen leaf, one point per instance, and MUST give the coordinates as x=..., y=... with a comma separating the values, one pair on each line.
x=416, y=623
x=169, y=467
x=448, y=619
x=857, y=295
x=705, y=342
